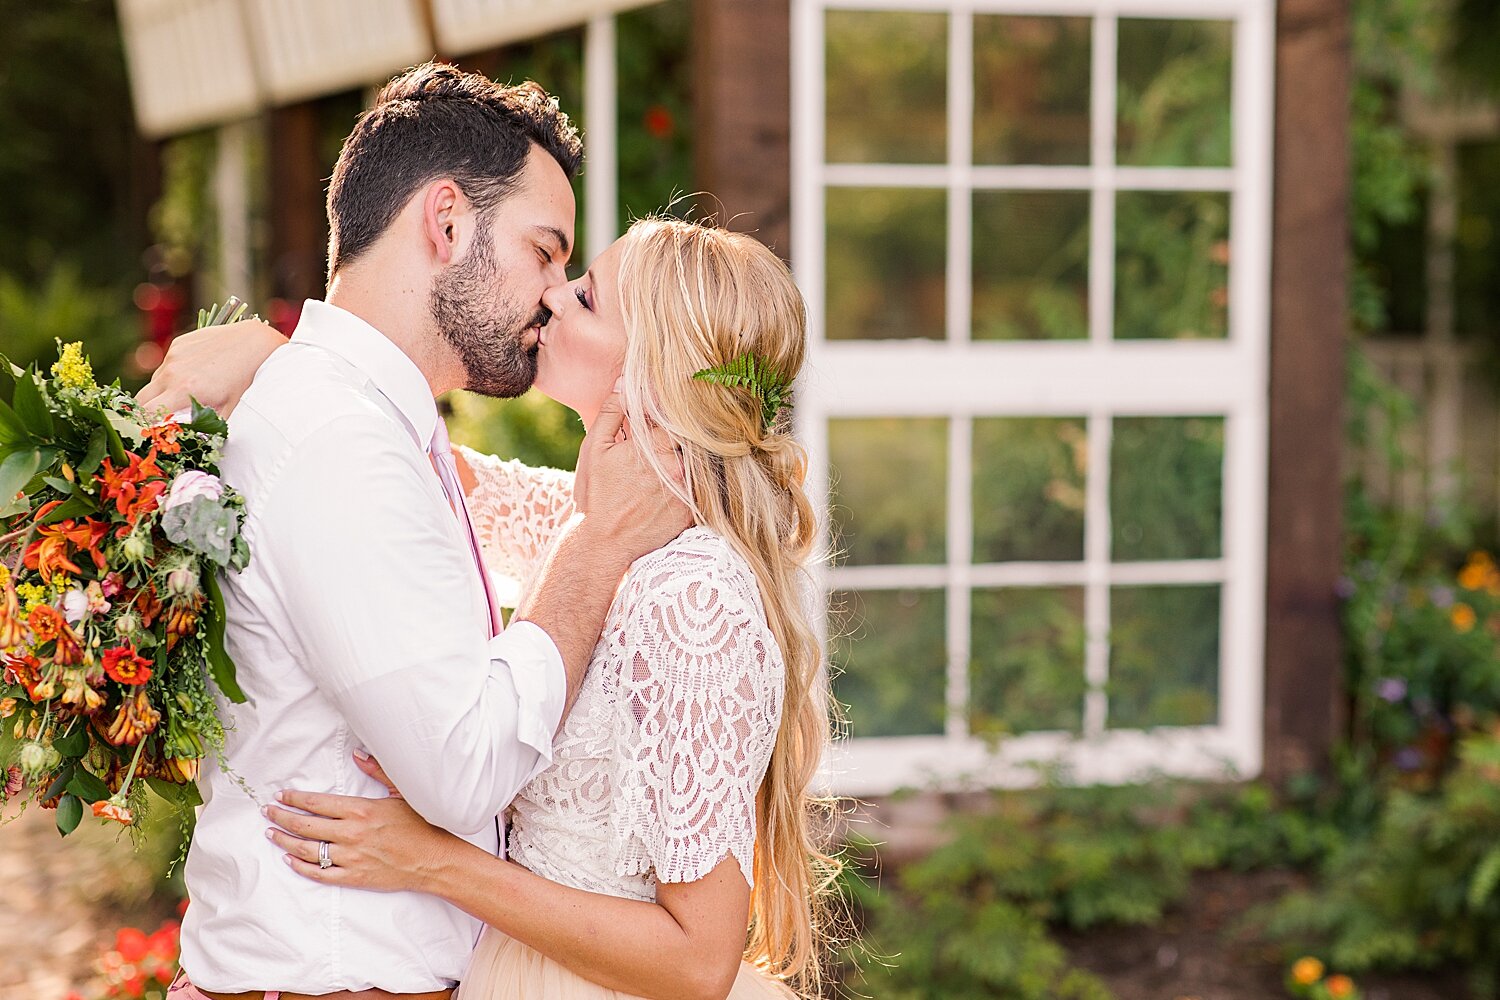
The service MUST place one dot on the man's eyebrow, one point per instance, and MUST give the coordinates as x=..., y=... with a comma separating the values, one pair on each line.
x=558, y=235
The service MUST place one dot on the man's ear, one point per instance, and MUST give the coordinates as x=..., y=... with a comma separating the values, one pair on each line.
x=442, y=205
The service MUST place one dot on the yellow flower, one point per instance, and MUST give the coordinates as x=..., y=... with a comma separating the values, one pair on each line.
x=34, y=594
x=1463, y=617
x=73, y=369
x=1340, y=987
x=4, y=574
x=1307, y=971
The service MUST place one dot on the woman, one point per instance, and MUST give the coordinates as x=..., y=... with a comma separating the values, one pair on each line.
x=678, y=798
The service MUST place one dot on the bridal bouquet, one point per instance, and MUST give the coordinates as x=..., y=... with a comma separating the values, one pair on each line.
x=113, y=523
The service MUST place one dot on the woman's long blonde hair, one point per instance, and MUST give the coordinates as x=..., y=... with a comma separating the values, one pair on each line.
x=694, y=297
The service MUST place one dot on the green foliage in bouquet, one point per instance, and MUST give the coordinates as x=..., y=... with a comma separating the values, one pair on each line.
x=113, y=524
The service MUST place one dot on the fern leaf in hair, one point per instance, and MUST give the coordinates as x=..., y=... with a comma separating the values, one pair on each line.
x=749, y=372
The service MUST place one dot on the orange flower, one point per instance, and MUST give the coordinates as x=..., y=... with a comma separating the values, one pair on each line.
x=55, y=545
x=1463, y=617
x=1307, y=971
x=11, y=632
x=136, y=489
x=1340, y=987
x=27, y=672
x=125, y=666
x=136, y=720
x=163, y=437
x=120, y=813
x=46, y=624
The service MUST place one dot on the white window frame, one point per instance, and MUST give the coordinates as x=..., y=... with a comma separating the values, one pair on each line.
x=1099, y=378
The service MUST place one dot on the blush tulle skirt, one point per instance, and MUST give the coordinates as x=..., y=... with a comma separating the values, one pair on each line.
x=505, y=969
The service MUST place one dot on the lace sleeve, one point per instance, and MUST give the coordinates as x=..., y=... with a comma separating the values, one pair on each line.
x=699, y=704
x=517, y=511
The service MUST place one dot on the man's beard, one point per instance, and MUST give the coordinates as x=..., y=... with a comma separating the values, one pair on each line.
x=484, y=329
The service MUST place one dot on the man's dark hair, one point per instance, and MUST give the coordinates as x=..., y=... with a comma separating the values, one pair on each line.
x=437, y=121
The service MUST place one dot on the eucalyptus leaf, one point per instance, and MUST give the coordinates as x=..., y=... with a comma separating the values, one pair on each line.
x=204, y=526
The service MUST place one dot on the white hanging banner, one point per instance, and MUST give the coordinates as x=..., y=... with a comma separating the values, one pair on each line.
x=306, y=48
x=464, y=26
x=190, y=64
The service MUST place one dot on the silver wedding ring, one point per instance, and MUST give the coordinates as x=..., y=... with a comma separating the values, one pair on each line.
x=323, y=861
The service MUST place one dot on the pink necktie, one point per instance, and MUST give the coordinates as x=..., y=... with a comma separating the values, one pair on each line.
x=447, y=470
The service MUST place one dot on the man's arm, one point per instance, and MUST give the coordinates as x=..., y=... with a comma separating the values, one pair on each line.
x=382, y=599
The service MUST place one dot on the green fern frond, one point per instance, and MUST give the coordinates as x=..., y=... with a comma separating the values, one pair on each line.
x=749, y=372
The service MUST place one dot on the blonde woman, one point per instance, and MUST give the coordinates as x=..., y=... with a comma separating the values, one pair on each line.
x=677, y=803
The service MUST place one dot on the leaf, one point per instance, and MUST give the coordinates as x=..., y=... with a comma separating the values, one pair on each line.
x=31, y=408
x=207, y=421
x=750, y=373
x=16, y=471
x=221, y=666
x=69, y=814
x=76, y=507
x=87, y=787
x=1486, y=877
x=60, y=782
x=74, y=744
x=94, y=456
x=125, y=427
x=181, y=795
x=60, y=485
x=12, y=430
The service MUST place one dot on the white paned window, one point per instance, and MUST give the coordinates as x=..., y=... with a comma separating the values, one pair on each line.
x=1034, y=238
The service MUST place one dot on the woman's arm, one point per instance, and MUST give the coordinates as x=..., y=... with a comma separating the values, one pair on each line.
x=685, y=946
x=214, y=366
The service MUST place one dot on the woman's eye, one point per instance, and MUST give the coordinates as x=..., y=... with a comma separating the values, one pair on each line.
x=583, y=299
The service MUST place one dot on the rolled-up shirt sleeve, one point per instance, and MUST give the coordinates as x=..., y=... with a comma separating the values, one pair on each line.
x=388, y=612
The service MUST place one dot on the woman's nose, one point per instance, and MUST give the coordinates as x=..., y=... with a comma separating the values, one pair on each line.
x=556, y=298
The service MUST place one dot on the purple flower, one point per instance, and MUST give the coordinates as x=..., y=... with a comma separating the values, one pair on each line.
x=1391, y=689
x=1442, y=597
x=1408, y=759
x=1344, y=588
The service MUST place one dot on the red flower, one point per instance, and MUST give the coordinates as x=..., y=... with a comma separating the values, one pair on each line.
x=124, y=665
x=136, y=489
x=658, y=121
x=163, y=437
x=26, y=671
x=130, y=942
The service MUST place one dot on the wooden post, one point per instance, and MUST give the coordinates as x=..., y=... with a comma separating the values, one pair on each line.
x=299, y=223
x=1305, y=705
x=742, y=117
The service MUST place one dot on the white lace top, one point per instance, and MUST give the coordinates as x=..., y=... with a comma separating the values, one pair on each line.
x=655, y=770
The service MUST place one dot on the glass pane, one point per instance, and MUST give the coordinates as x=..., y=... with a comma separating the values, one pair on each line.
x=1164, y=656
x=1031, y=274
x=1166, y=488
x=1174, y=93
x=1171, y=265
x=886, y=80
x=888, y=490
x=887, y=249
x=1031, y=89
x=1027, y=664
x=890, y=660
x=1029, y=488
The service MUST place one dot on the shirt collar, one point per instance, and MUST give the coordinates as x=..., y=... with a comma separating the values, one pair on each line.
x=367, y=349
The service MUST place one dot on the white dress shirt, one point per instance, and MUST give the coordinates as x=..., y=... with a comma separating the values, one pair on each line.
x=361, y=622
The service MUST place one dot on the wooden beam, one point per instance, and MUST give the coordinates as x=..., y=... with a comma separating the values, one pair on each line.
x=1305, y=704
x=299, y=222
x=742, y=115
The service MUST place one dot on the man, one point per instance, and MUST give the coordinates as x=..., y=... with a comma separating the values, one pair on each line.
x=364, y=622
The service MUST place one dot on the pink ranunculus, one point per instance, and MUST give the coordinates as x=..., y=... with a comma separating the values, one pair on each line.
x=191, y=485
